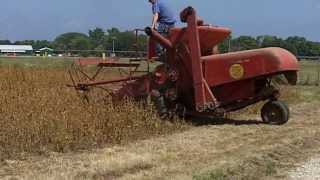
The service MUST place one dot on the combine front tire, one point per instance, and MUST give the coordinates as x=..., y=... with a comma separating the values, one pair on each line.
x=275, y=113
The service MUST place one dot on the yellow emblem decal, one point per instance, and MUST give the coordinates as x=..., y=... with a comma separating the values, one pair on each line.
x=237, y=71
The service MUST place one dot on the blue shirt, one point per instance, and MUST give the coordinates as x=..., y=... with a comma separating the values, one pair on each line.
x=166, y=16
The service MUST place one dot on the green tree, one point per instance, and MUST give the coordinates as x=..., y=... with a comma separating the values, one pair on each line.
x=244, y=43
x=41, y=44
x=97, y=37
x=300, y=43
x=5, y=42
x=313, y=48
x=123, y=40
x=290, y=47
x=268, y=41
x=225, y=46
x=80, y=43
x=113, y=31
x=25, y=42
x=142, y=42
x=72, y=41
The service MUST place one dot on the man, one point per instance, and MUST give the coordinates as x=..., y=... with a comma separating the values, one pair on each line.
x=163, y=16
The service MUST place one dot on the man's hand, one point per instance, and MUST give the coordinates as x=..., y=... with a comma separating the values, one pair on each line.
x=155, y=20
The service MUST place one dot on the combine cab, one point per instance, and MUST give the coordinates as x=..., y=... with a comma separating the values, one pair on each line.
x=194, y=79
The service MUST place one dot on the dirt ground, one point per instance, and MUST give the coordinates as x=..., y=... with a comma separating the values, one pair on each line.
x=225, y=149
x=307, y=171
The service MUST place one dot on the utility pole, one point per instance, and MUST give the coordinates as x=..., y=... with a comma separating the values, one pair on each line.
x=113, y=46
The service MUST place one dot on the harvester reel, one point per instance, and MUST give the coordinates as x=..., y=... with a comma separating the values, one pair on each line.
x=80, y=75
x=75, y=77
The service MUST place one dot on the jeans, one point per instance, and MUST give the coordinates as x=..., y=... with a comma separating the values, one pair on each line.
x=163, y=29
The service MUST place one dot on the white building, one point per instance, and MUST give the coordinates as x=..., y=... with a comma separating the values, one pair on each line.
x=24, y=49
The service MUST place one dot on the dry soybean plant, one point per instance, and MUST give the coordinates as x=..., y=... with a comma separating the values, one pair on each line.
x=38, y=113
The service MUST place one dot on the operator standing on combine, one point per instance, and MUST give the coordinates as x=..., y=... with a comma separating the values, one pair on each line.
x=162, y=15
x=163, y=19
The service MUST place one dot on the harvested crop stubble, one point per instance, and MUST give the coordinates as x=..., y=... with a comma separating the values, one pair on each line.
x=39, y=113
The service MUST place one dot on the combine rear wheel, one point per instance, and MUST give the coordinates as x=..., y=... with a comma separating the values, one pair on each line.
x=275, y=113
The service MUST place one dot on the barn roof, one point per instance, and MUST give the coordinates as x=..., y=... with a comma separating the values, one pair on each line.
x=45, y=49
x=15, y=48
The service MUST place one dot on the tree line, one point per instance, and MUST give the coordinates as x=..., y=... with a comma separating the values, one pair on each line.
x=99, y=39
x=299, y=46
x=95, y=40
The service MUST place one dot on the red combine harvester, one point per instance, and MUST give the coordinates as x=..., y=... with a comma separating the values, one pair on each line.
x=195, y=80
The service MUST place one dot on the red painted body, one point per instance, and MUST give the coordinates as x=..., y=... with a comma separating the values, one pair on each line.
x=260, y=62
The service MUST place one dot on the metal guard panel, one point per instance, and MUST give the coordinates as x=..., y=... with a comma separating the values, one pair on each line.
x=209, y=36
x=230, y=67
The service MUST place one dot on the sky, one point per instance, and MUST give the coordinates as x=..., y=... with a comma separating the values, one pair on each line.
x=46, y=19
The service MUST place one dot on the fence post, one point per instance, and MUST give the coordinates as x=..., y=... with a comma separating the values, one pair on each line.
x=318, y=80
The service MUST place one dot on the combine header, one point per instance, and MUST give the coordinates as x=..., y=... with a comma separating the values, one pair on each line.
x=193, y=79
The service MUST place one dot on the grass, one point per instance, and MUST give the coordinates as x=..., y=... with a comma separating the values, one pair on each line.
x=36, y=62
x=309, y=73
x=218, y=174
x=295, y=142
x=309, y=94
x=272, y=163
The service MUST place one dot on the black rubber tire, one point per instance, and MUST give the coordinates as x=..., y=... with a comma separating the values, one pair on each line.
x=275, y=113
x=161, y=107
x=181, y=111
